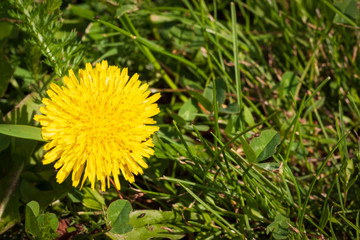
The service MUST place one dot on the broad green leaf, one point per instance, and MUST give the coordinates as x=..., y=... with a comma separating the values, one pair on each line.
x=23, y=113
x=42, y=226
x=83, y=12
x=6, y=72
x=34, y=207
x=178, y=119
x=202, y=100
x=199, y=58
x=158, y=19
x=24, y=74
x=11, y=214
x=29, y=191
x=279, y=227
x=249, y=151
x=230, y=129
x=190, y=83
x=253, y=213
x=48, y=224
x=288, y=84
x=109, y=53
x=92, y=199
x=118, y=216
x=153, y=224
x=269, y=166
x=124, y=8
x=75, y=195
x=95, y=32
x=6, y=28
x=188, y=110
x=220, y=91
x=157, y=231
x=348, y=8
x=49, y=219
x=144, y=217
x=32, y=210
x=22, y=131
x=12, y=162
x=4, y=142
x=230, y=109
x=265, y=145
x=248, y=117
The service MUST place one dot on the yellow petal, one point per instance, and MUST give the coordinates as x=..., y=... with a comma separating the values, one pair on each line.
x=97, y=125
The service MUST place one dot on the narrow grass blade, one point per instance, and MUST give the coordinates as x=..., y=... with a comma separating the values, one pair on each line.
x=212, y=211
x=301, y=217
x=236, y=53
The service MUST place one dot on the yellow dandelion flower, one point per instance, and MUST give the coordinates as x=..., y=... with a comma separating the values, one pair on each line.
x=98, y=126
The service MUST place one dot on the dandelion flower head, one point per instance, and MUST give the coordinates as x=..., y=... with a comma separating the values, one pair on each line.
x=98, y=126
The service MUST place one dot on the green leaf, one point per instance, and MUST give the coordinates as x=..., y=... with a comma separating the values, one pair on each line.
x=48, y=220
x=279, y=227
x=201, y=128
x=349, y=170
x=348, y=8
x=158, y=19
x=24, y=74
x=230, y=109
x=32, y=210
x=249, y=151
x=124, y=9
x=24, y=112
x=48, y=223
x=269, y=166
x=178, y=119
x=144, y=217
x=4, y=142
x=252, y=208
x=6, y=28
x=22, y=131
x=75, y=195
x=30, y=191
x=157, y=231
x=118, y=216
x=220, y=91
x=53, y=5
x=12, y=164
x=288, y=84
x=231, y=124
x=6, y=73
x=325, y=216
x=42, y=226
x=11, y=214
x=150, y=224
x=92, y=199
x=34, y=207
x=248, y=117
x=265, y=145
x=188, y=110
x=82, y=12
x=202, y=100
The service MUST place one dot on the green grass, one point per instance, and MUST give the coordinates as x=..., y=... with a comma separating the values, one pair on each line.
x=259, y=118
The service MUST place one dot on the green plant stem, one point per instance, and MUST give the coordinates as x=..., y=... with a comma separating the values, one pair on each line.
x=236, y=53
